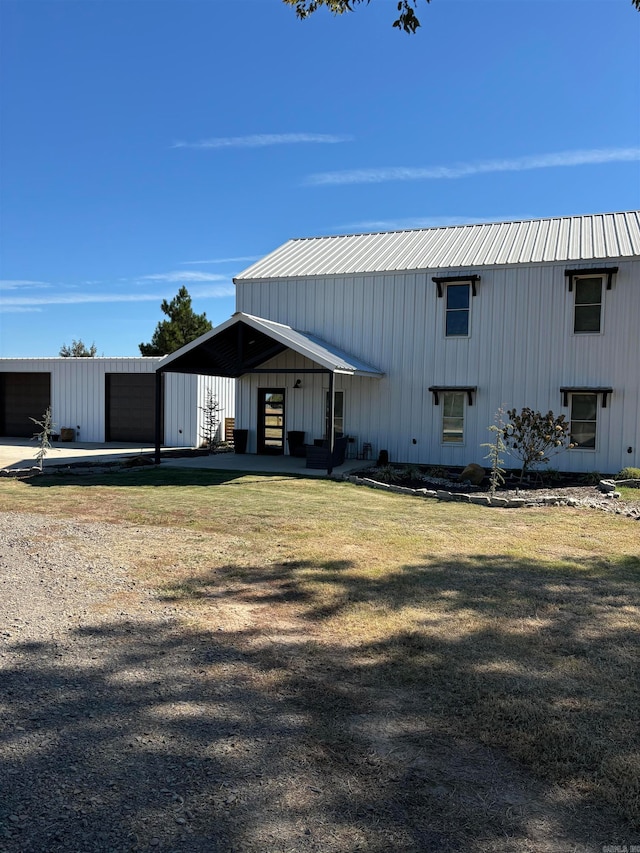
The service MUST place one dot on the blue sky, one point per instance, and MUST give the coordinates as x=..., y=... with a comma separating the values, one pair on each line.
x=147, y=144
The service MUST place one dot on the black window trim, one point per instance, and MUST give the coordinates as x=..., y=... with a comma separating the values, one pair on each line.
x=585, y=390
x=609, y=272
x=469, y=390
x=456, y=279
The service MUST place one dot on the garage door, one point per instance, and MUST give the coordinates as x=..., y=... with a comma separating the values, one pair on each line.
x=130, y=407
x=23, y=396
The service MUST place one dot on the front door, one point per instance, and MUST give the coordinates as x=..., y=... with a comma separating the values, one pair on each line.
x=271, y=420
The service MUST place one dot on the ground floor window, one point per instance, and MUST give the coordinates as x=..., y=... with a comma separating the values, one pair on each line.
x=452, y=417
x=338, y=413
x=584, y=414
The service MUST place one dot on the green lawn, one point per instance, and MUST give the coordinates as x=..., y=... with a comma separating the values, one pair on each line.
x=514, y=629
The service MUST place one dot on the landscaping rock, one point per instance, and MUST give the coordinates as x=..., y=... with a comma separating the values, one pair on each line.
x=473, y=473
x=607, y=485
x=588, y=497
x=632, y=484
x=483, y=500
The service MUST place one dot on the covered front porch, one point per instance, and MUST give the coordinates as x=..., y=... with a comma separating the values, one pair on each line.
x=289, y=382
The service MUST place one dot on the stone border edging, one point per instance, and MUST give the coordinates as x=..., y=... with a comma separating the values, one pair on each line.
x=463, y=497
x=487, y=500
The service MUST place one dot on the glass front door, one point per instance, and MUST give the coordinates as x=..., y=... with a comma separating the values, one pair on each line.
x=271, y=420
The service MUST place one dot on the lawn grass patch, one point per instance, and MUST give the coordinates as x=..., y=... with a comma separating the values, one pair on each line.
x=516, y=630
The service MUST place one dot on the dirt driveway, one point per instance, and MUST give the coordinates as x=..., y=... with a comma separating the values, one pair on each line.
x=125, y=729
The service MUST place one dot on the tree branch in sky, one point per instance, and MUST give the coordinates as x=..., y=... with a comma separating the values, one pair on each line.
x=406, y=20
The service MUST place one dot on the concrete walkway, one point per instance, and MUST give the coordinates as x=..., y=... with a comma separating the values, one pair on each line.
x=21, y=453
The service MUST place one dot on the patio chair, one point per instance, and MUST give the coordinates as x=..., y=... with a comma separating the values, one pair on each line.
x=318, y=456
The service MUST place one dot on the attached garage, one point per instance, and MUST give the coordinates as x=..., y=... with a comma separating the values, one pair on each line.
x=108, y=399
x=23, y=396
x=130, y=407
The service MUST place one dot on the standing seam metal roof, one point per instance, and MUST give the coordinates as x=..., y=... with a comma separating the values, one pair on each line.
x=570, y=239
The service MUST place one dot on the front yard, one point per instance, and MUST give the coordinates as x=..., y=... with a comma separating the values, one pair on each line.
x=459, y=677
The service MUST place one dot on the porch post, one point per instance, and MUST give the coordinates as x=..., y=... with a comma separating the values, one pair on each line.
x=332, y=432
x=159, y=408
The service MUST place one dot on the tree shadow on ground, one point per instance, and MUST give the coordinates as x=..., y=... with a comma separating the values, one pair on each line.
x=413, y=731
x=152, y=477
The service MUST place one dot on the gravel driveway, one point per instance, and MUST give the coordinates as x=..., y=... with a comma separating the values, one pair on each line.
x=122, y=729
x=112, y=737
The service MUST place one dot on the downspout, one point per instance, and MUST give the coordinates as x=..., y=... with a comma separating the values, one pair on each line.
x=159, y=408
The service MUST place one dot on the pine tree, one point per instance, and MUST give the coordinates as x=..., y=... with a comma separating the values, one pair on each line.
x=182, y=327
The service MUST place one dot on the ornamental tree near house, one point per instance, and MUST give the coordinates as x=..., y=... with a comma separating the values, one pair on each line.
x=44, y=436
x=534, y=438
x=496, y=447
x=210, y=421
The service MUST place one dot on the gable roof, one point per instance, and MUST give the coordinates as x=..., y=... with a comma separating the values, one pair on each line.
x=244, y=342
x=573, y=238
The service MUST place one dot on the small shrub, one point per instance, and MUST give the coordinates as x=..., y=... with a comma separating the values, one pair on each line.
x=411, y=472
x=628, y=474
x=591, y=478
x=437, y=473
x=387, y=474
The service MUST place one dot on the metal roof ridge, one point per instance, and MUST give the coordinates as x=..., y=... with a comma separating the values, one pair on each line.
x=521, y=221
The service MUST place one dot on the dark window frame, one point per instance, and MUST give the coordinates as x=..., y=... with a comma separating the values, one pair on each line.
x=574, y=276
x=442, y=284
x=336, y=417
x=447, y=420
x=583, y=421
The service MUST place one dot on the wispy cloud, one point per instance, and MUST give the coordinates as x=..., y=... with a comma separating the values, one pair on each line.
x=19, y=283
x=419, y=222
x=463, y=170
x=17, y=309
x=182, y=276
x=12, y=303
x=262, y=140
x=222, y=260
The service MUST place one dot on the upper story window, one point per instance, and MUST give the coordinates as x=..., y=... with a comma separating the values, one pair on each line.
x=588, y=288
x=457, y=311
x=457, y=291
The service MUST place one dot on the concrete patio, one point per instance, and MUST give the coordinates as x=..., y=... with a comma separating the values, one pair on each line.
x=21, y=453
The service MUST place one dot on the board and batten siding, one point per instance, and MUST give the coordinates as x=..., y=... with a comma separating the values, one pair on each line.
x=78, y=395
x=520, y=351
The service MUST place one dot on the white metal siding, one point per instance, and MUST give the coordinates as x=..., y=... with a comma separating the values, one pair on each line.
x=520, y=352
x=78, y=395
